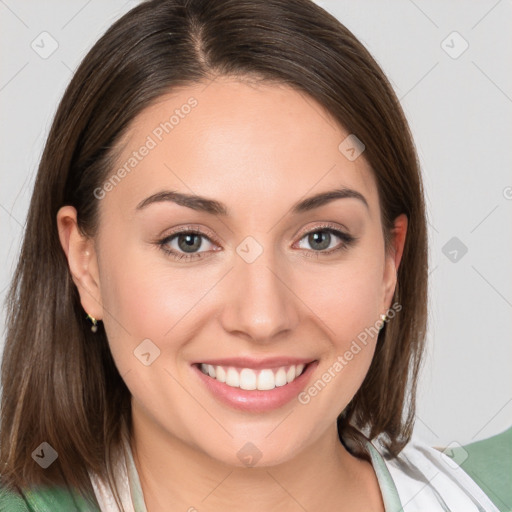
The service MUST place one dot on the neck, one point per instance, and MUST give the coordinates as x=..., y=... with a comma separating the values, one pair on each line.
x=177, y=476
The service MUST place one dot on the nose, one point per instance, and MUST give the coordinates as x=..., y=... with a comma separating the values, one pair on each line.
x=260, y=303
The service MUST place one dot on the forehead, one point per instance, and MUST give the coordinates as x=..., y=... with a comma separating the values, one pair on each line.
x=231, y=139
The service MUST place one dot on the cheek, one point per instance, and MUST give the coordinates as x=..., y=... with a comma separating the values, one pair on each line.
x=346, y=303
x=148, y=301
x=345, y=297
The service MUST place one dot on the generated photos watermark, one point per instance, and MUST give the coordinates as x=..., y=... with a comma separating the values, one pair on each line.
x=152, y=140
x=343, y=360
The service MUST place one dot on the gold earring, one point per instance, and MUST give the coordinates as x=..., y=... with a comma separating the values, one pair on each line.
x=94, y=326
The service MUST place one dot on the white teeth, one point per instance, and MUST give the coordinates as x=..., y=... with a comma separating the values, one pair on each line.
x=221, y=374
x=232, y=378
x=290, y=374
x=281, y=377
x=249, y=379
x=266, y=380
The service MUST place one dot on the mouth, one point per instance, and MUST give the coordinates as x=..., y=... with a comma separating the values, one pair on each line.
x=251, y=389
x=246, y=378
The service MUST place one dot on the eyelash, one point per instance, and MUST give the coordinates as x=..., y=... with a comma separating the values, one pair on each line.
x=347, y=242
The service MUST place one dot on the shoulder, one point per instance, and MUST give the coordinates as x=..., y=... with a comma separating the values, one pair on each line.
x=44, y=499
x=11, y=501
x=426, y=477
x=489, y=463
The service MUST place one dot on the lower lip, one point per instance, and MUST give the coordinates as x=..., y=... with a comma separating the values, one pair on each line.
x=256, y=400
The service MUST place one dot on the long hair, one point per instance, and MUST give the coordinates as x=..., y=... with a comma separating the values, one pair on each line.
x=59, y=380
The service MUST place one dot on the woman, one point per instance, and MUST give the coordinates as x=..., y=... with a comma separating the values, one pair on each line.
x=221, y=297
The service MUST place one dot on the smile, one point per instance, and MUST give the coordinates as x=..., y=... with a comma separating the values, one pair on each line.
x=249, y=379
x=255, y=386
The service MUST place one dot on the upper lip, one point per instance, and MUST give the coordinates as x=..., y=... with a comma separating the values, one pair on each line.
x=257, y=364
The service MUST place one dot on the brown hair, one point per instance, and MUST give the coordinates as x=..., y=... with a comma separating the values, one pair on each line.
x=60, y=383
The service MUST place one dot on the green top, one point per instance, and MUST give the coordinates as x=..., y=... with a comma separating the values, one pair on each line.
x=53, y=499
x=487, y=462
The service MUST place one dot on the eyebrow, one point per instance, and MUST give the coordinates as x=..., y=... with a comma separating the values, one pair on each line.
x=214, y=207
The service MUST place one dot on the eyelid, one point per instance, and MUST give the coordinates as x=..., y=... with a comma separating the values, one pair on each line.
x=204, y=232
x=347, y=240
x=322, y=225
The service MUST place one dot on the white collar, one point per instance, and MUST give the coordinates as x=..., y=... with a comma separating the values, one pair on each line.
x=428, y=480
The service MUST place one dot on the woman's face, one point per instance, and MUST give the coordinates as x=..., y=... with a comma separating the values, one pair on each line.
x=260, y=281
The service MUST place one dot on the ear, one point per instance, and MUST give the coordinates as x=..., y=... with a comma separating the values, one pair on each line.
x=394, y=257
x=82, y=261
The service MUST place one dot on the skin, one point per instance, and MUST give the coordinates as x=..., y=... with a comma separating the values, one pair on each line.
x=259, y=148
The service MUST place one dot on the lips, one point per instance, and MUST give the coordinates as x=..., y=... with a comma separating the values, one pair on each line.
x=245, y=372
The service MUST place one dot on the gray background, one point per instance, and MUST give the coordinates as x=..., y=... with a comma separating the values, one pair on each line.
x=459, y=105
